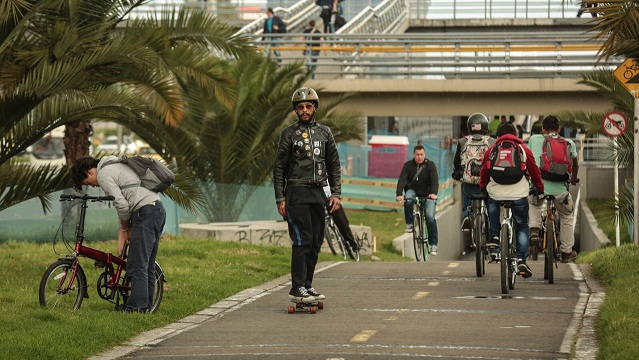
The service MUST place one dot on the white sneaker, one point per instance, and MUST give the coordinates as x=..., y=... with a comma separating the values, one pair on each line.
x=433, y=250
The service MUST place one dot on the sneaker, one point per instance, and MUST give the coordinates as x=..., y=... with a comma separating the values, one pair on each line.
x=495, y=255
x=534, y=236
x=566, y=257
x=524, y=269
x=409, y=228
x=466, y=225
x=493, y=243
x=315, y=294
x=300, y=295
x=433, y=250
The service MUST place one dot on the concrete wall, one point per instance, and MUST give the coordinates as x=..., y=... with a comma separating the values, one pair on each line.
x=598, y=181
x=261, y=232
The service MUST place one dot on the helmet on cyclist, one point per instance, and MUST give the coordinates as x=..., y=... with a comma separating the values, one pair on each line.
x=477, y=124
x=305, y=94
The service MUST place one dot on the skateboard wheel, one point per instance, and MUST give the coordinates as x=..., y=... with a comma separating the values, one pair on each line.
x=313, y=309
x=291, y=309
x=320, y=305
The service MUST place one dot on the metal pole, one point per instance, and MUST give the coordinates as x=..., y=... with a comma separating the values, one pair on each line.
x=635, y=185
x=616, y=187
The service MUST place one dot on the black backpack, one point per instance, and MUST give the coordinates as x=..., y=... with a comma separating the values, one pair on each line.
x=153, y=174
x=507, y=162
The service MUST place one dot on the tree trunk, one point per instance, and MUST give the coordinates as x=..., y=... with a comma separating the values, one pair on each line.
x=76, y=145
x=77, y=140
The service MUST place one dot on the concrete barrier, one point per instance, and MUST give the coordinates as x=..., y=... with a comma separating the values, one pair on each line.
x=263, y=233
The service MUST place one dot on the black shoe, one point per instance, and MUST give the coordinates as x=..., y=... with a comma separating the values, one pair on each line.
x=466, y=225
x=301, y=295
x=311, y=291
x=524, y=269
x=493, y=243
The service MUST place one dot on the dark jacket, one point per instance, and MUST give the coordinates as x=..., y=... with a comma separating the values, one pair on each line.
x=426, y=183
x=306, y=156
x=276, y=21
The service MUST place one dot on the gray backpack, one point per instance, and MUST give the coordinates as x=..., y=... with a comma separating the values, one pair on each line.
x=153, y=174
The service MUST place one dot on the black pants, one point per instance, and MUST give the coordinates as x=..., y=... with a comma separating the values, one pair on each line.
x=341, y=221
x=305, y=216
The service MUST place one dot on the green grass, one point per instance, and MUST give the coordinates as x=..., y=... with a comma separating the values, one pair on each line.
x=199, y=272
x=600, y=210
x=617, y=324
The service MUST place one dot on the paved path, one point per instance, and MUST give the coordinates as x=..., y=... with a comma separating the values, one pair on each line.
x=379, y=310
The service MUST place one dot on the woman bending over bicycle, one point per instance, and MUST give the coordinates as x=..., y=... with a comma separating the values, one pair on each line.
x=504, y=175
x=142, y=219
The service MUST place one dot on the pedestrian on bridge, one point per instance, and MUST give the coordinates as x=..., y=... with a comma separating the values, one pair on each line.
x=585, y=4
x=273, y=25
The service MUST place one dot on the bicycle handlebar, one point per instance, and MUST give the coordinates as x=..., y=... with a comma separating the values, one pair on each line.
x=69, y=197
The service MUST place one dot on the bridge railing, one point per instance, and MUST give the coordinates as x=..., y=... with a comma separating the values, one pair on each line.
x=442, y=56
x=493, y=9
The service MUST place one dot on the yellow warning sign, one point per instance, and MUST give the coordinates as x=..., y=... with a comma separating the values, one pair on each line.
x=628, y=75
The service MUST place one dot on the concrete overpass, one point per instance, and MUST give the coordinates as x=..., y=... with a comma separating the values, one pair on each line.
x=454, y=97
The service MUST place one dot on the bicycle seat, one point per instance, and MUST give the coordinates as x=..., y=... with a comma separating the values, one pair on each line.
x=480, y=196
x=507, y=204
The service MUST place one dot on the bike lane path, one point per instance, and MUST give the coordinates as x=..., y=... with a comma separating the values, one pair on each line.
x=399, y=310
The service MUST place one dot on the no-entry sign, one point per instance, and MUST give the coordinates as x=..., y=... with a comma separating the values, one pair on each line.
x=614, y=124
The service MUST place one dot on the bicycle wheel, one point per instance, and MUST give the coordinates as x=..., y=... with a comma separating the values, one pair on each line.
x=504, y=262
x=330, y=240
x=550, y=251
x=477, y=239
x=512, y=262
x=158, y=293
x=425, y=243
x=418, y=244
x=335, y=240
x=62, y=287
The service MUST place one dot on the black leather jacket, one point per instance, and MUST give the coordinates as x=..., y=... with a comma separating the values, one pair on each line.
x=306, y=156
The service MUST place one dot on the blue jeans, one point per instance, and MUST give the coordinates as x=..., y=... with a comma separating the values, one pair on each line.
x=431, y=223
x=146, y=227
x=467, y=191
x=520, y=223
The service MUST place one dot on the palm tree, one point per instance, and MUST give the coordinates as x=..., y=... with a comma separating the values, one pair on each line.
x=70, y=63
x=233, y=148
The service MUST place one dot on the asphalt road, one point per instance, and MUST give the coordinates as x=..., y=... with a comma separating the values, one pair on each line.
x=379, y=310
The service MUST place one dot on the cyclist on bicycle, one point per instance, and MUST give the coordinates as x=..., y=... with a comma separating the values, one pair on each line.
x=504, y=175
x=419, y=178
x=556, y=186
x=468, y=159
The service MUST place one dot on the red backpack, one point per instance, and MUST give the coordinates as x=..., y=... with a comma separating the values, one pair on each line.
x=507, y=162
x=556, y=163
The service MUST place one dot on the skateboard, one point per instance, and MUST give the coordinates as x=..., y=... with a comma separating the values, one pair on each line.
x=303, y=306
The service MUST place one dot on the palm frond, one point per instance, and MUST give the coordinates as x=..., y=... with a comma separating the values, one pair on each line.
x=20, y=182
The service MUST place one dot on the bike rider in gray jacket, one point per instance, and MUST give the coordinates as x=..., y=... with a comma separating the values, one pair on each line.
x=306, y=161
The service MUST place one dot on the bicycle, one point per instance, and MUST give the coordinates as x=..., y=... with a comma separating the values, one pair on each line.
x=507, y=248
x=479, y=232
x=64, y=284
x=549, y=239
x=420, y=231
x=333, y=236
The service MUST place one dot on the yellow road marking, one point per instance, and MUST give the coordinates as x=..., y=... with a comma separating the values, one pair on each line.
x=363, y=336
x=433, y=283
x=420, y=295
x=452, y=265
x=445, y=272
